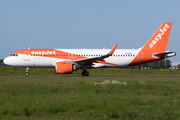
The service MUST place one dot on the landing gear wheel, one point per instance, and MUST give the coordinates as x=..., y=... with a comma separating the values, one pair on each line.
x=26, y=74
x=85, y=73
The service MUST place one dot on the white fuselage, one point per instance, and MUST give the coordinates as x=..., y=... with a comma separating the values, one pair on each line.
x=121, y=57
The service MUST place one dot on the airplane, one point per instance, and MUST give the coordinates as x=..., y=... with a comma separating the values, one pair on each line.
x=65, y=61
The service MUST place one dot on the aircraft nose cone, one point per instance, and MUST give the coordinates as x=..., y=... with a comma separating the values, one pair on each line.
x=6, y=61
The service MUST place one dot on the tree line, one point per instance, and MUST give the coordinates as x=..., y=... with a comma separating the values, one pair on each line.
x=1, y=60
x=161, y=64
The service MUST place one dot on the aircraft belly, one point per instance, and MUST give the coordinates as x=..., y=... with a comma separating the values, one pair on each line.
x=114, y=63
x=36, y=62
x=121, y=62
x=43, y=62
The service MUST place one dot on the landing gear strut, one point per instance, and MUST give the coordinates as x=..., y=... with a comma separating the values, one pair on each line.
x=27, y=72
x=85, y=73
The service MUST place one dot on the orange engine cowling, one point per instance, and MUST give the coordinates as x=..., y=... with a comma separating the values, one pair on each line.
x=64, y=68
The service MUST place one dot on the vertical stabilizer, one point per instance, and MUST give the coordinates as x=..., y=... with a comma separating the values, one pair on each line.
x=158, y=42
x=156, y=45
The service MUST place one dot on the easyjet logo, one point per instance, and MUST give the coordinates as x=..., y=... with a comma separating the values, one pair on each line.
x=159, y=36
x=43, y=52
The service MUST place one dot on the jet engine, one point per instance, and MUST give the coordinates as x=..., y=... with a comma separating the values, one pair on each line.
x=64, y=68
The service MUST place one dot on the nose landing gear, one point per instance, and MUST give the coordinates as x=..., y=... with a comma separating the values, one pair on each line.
x=27, y=72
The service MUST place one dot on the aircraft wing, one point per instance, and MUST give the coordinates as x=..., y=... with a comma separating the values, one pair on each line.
x=94, y=59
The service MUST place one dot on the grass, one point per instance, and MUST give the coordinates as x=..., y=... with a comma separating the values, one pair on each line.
x=16, y=71
x=90, y=98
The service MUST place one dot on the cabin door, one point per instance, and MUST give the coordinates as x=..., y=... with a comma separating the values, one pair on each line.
x=26, y=55
x=140, y=56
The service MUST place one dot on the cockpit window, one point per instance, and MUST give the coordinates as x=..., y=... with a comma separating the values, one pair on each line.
x=14, y=55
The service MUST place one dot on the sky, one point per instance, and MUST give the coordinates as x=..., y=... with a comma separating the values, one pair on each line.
x=87, y=24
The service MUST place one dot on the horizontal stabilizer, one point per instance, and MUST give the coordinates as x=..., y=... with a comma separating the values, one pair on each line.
x=166, y=54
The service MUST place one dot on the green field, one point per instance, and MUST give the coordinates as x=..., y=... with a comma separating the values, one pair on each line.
x=90, y=98
x=17, y=71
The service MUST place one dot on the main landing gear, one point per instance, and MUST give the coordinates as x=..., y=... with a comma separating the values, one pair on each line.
x=85, y=73
x=27, y=72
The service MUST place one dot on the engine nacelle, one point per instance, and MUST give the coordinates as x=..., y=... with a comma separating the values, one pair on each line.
x=64, y=68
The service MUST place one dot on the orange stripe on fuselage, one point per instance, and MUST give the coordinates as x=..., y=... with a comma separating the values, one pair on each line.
x=103, y=62
x=50, y=53
x=147, y=57
x=53, y=53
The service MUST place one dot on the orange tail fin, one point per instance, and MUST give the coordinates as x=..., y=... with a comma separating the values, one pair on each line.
x=156, y=45
x=158, y=42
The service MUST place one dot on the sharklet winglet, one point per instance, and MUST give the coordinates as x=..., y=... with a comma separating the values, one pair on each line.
x=114, y=48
